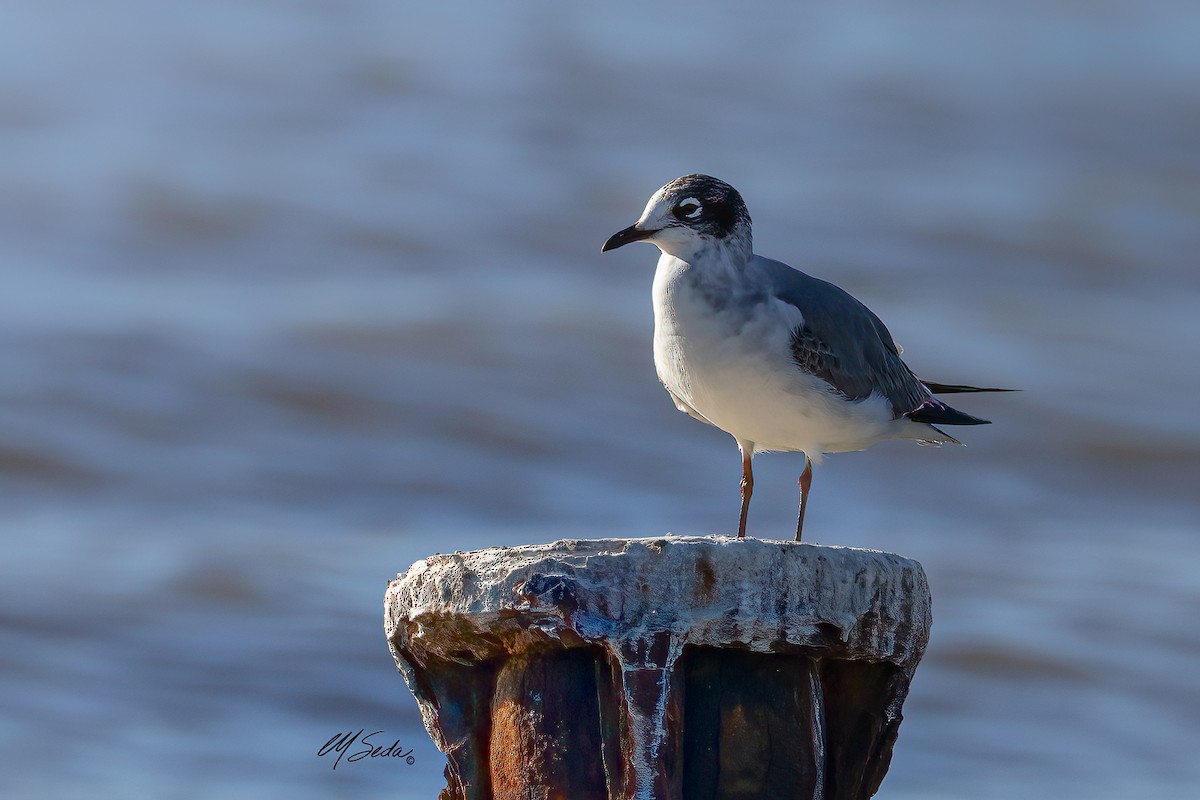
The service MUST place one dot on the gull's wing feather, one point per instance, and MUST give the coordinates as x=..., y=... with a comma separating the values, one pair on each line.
x=843, y=343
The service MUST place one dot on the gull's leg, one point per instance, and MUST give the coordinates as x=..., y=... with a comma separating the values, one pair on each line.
x=747, y=449
x=805, y=485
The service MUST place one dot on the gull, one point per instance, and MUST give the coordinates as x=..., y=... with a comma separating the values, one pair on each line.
x=778, y=359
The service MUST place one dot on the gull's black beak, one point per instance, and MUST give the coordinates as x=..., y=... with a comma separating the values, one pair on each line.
x=631, y=234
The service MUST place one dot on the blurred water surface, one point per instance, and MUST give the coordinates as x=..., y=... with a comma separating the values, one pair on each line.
x=293, y=294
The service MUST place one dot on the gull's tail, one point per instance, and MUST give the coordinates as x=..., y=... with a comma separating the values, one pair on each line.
x=934, y=412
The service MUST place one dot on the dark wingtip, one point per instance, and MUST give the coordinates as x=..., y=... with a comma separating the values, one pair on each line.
x=935, y=413
x=958, y=388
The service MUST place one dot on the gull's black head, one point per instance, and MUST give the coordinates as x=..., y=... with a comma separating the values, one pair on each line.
x=706, y=204
x=689, y=215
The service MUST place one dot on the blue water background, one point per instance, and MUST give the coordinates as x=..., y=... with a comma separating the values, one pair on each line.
x=295, y=293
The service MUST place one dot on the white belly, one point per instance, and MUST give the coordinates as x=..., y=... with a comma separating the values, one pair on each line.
x=731, y=362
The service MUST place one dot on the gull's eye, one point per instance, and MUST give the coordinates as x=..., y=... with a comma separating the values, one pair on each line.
x=688, y=209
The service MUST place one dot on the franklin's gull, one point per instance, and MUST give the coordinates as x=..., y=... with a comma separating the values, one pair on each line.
x=774, y=357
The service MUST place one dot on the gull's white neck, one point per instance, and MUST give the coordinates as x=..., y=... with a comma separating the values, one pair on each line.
x=710, y=254
x=710, y=276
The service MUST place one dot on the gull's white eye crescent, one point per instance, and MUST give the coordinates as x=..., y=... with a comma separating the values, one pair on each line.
x=688, y=209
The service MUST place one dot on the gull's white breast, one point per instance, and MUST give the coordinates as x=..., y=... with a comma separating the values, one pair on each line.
x=722, y=348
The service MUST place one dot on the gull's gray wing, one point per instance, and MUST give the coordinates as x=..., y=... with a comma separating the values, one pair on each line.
x=844, y=344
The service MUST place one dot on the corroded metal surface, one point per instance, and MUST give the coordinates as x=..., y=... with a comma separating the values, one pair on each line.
x=621, y=665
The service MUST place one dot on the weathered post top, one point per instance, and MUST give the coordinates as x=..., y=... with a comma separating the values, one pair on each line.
x=657, y=668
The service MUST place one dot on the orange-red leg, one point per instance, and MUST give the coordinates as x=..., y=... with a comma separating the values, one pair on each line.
x=747, y=490
x=805, y=485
